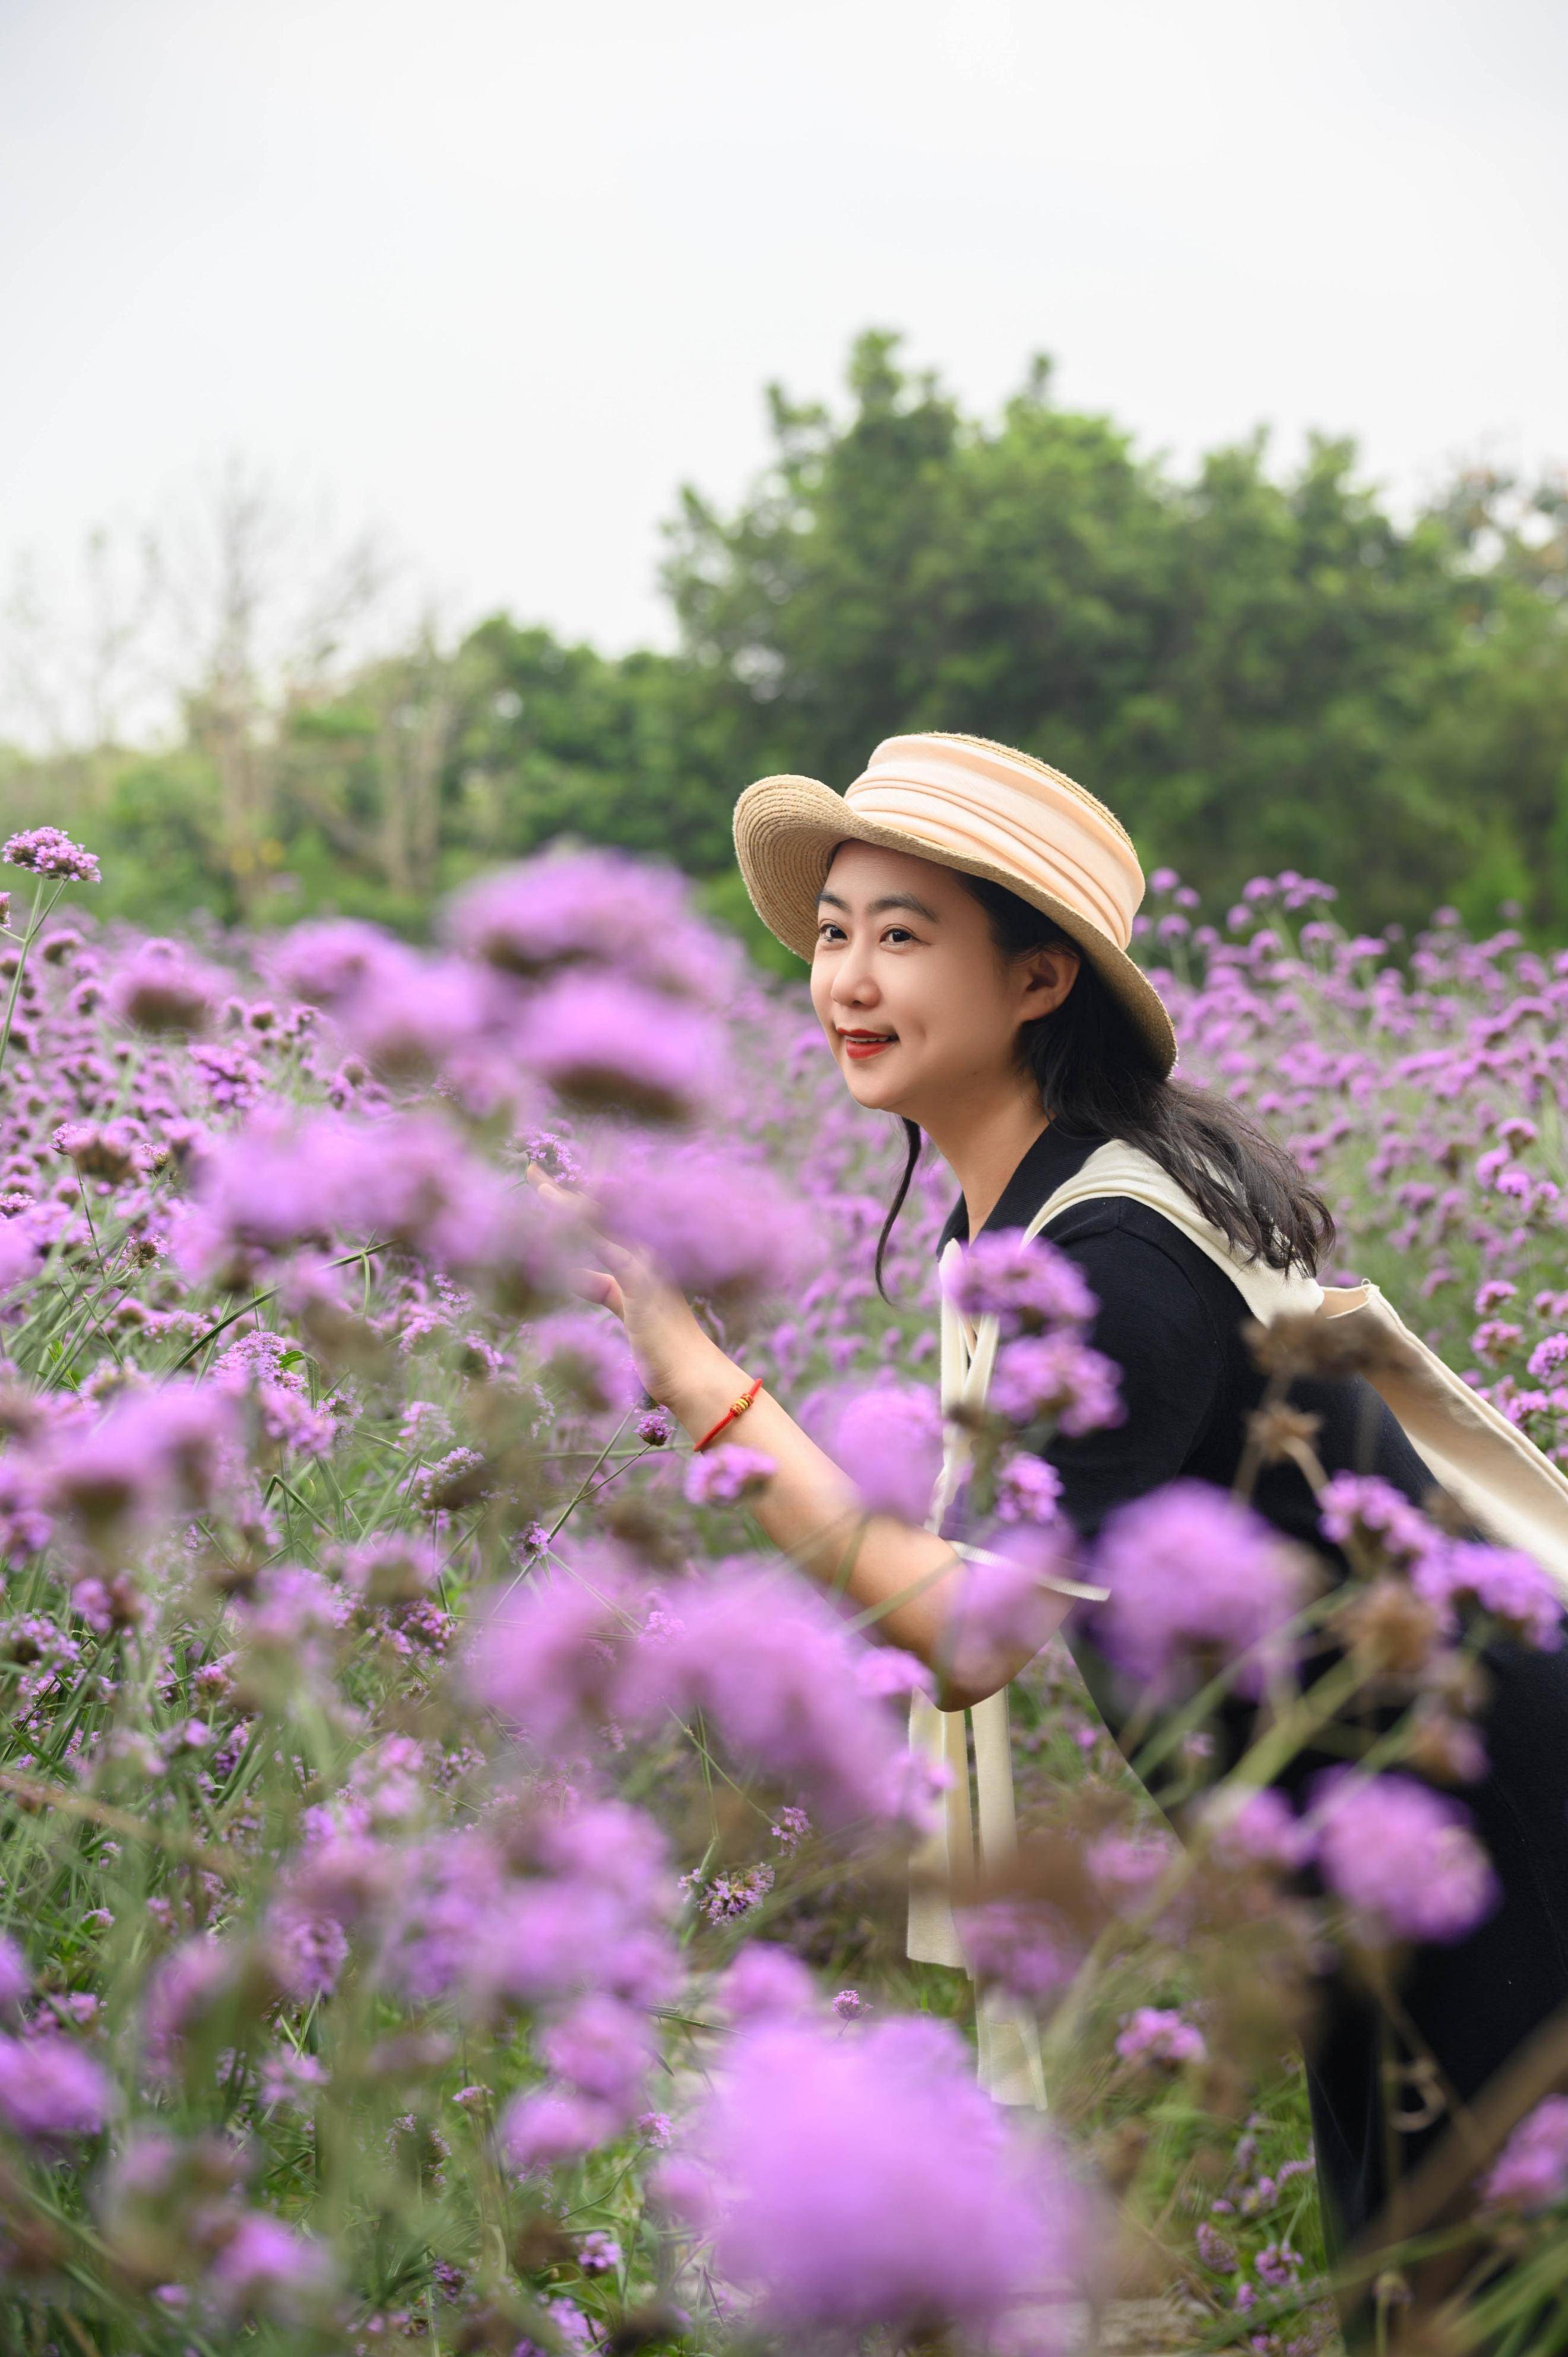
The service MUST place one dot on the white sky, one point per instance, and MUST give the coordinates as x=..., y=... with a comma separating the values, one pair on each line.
x=499, y=275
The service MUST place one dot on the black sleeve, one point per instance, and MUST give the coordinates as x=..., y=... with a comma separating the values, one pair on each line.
x=1155, y=1325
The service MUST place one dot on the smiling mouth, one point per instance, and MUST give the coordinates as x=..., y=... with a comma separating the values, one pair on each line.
x=859, y=1044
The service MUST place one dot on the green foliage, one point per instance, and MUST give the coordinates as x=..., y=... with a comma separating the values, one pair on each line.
x=1258, y=669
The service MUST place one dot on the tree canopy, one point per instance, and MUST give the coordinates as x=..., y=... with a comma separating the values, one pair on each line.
x=1257, y=669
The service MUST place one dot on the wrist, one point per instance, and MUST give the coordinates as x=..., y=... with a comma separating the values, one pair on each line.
x=706, y=1382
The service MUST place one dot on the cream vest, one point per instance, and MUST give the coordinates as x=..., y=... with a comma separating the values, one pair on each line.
x=1504, y=1483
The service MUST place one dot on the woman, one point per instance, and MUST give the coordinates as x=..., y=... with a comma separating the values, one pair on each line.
x=966, y=913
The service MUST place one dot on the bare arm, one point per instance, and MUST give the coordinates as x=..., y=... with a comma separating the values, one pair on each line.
x=808, y=1506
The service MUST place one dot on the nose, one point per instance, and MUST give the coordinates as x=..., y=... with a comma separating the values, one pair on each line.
x=854, y=989
x=855, y=984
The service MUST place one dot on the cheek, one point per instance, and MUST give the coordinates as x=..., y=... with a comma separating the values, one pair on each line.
x=823, y=996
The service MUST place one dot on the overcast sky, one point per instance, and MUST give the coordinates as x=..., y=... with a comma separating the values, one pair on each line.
x=501, y=275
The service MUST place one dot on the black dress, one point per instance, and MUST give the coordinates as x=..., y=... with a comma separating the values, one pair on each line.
x=1171, y=1320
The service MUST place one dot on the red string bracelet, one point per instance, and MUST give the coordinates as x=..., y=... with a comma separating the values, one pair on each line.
x=729, y=1416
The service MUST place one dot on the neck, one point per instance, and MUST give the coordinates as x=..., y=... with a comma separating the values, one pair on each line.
x=983, y=1153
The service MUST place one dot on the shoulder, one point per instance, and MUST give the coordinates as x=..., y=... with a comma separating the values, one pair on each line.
x=1139, y=1263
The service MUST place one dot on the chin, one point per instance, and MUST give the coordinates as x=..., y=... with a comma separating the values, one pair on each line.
x=873, y=1100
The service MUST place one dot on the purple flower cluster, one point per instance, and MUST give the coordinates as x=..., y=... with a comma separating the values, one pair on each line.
x=1532, y=2171
x=888, y=1437
x=1198, y=1584
x=1152, y=2033
x=849, y=2182
x=47, y=852
x=1402, y=1857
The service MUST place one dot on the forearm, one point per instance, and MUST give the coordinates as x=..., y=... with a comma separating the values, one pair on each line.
x=810, y=1511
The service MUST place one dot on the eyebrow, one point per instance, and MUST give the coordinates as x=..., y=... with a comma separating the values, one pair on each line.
x=888, y=900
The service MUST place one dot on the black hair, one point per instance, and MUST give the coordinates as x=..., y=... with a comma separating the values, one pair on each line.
x=1097, y=1077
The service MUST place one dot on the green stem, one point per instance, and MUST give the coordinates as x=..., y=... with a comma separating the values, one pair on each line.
x=36, y=916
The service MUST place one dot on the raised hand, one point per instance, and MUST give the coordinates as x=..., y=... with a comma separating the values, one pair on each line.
x=661, y=1327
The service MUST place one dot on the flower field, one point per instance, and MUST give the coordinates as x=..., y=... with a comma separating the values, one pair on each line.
x=454, y=1875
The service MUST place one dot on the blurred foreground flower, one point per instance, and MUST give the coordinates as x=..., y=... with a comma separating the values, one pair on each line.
x=859, y=2178
x=1198, y=1583
x=1402, y=1856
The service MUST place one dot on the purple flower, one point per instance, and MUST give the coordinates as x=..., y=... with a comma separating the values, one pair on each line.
x=182, y=1989
x=765, y=1982
x=392, y=1567
x=414, y=1017
x=1029, y=1488
x=1257, y=1829
x=601, y=2049
x=586, y=1350
x=1214, y=2250
x=264, y=2268
x=1401, y=1856
x=1509, y=1585
x=720, y=1477
x=570, y=2328
x=852, y=2182
x=1153, y=2034
x=1532, y=2171
x=50, y=2092
x=47, y=852
x=1547, y=1357
x=593, y=910
x=1014, y=1945
x=773, y=1669
x=21, y=1252
x=333, y=963
x=1059, y=1377
x=849, y=2004
x=603, y=1043
x=727, y=1897
x=887, y=1671
x=1359, y=1506
x=290, y=1609
x=306, y=1952
x=290, y=2080
x=542, y=2130
x=162, y=989
x=888, y=1437
x=717, y=1224
x=548, y=1656
x=593, y=1914
x=1029, y=1288
x=1126, y=1867
x=281, y=1181
x=151, y=1451
x=1198, y=1581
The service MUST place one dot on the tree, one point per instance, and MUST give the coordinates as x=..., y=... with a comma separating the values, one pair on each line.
x=1255, y=672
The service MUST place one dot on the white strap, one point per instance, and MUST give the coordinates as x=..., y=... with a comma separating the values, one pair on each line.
x=1510, y=1490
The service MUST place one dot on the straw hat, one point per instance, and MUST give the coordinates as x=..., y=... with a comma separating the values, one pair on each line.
x=967, y=804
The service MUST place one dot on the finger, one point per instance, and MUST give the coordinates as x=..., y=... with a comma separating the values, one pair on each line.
x=570, y=1198
x=592, y=1284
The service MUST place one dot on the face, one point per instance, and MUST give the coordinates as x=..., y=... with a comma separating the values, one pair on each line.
x=905, y=954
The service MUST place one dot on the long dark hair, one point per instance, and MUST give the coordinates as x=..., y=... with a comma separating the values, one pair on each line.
x=1095, y=1078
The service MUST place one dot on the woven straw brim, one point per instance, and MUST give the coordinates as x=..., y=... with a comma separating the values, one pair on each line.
x=785, y=831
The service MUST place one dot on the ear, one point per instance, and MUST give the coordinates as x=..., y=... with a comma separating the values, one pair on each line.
x=1048, y=975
